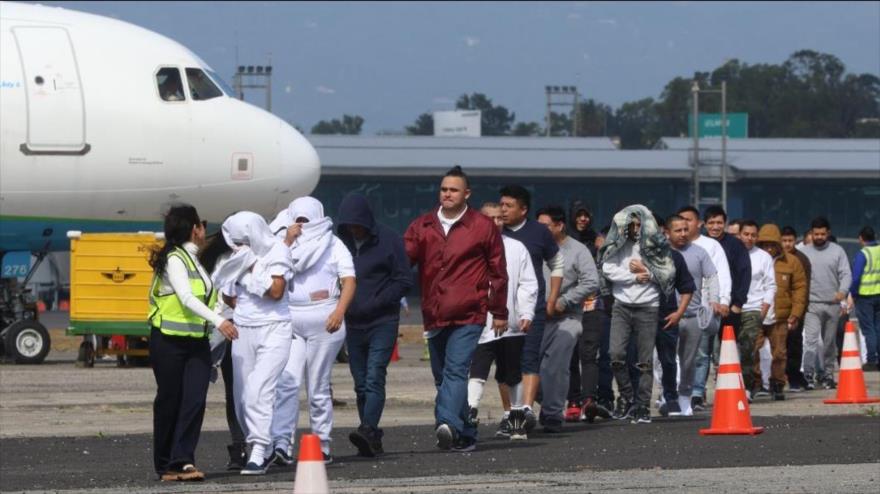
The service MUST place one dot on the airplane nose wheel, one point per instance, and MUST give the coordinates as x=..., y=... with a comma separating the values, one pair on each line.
x=27, y=342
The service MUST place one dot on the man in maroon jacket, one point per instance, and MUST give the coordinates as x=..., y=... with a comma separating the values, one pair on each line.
x=463, y=275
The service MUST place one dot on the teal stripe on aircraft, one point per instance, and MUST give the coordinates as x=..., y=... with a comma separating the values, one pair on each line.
x=35, y=233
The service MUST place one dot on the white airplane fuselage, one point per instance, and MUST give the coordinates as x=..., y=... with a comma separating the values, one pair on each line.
x=88, y=143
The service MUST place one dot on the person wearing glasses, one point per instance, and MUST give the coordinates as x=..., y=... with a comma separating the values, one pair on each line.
x=182, y=298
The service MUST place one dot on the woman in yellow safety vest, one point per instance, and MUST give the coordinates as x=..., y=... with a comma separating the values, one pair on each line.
x=181, y=301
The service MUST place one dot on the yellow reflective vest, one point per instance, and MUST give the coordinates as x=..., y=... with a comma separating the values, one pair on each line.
x=869, y=284
x=167, y=312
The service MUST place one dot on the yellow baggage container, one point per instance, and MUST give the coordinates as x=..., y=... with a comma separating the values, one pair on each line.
x=109, y=286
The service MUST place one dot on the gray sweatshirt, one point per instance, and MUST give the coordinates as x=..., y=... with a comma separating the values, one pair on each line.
x=580, y=278
x=830, y=272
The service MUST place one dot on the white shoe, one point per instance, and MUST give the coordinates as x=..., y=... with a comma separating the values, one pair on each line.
x=684, y=402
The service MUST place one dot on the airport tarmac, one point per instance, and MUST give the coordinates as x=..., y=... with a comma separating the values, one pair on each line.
x=67, y=428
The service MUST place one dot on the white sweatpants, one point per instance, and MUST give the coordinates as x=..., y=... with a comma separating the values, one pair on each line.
x=311, y=357
x=766, y=360
x=258, y=357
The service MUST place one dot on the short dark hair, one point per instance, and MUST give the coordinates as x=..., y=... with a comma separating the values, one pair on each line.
x=518, y=192
x=867, y=234
x=787, y=230
x=738, y=222
x=820, y=222
x=745, y=223
x=456, y=171
x=688, y=209
x=673, y=217
x=713, y=211
x=556, y=213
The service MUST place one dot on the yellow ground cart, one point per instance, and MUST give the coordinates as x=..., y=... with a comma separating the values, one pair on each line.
x=109, y=285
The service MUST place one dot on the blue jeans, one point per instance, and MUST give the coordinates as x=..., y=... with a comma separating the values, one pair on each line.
x=704, y=352
x=369, y=351
x=451, y=351
x=868, y=313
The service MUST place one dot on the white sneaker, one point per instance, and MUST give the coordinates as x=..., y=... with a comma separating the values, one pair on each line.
x=684, y=402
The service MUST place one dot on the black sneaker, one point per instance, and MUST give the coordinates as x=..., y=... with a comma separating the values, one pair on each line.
x=280, y=457
x=446, y=436
x=828, y=383
x=504, y=427
x=642, y=415
x=473, y=417
x=697, y=404
x=604, y=408
x=237, y=457
x=552, y=425
x=623, y=410
x=589, y=410
x=530, y=421
x=761, y=393
x=870, y=367
x=809, y=383
x=795, y=388
x=517, y=423
x=465, y=445
x=365, y=442
x=253, y=469
x=670, y=408
x=328, y=459
x=778, y=395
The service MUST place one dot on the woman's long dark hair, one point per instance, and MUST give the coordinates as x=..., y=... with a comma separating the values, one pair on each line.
x=216, y=247
x=179, y=223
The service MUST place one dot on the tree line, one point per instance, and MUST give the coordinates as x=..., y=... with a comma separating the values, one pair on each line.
x=808, y=95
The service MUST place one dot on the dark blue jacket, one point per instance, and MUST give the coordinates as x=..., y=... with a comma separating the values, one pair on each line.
x=740, y=268
x=684, y=283
x=380, y=264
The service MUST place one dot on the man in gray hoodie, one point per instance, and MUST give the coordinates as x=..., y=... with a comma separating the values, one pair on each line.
x=580, y=279
x=830, y=278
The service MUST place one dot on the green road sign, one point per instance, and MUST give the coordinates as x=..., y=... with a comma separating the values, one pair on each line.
x=710, y=125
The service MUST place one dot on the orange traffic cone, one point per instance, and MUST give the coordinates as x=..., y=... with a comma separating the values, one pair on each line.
x=730, y=415
x=851, y=388
x=395, y=355
x=311, y=476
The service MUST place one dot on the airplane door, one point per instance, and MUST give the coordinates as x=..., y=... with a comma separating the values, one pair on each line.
x=55, y=106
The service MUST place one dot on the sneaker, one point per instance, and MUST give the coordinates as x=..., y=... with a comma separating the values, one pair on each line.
x=641, y=415
x=573, y=412
x=446, y=436
x=530, y=421
x=366, y=442
x=517, y=423
x=670, y=409
x=465, y=445
x=254, y=469
x=473, y=416
x=749, y=396
x=809, y=382
x=870, y=367
x=795, y=388
x=828, y=383
x=280, y=457
x=684, y=404
x=237, y=457
x=623, y=410
x=604, y=408
x=504, y=427
x=589, y=411
x=552, y=425
x=328, y=459
x=697, y=404
x=762, y=393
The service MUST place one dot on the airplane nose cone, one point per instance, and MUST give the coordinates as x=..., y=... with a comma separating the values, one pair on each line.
x=300, y=165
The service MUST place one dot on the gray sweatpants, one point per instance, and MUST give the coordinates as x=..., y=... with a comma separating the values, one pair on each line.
x=626, y=320
x=820, y=321
x=689, y=334
x=560, y=337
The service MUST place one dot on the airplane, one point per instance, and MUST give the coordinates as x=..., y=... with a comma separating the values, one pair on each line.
x=103, y=124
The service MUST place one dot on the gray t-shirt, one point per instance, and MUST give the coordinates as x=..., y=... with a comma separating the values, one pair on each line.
x=829, y=272
x=700, y=266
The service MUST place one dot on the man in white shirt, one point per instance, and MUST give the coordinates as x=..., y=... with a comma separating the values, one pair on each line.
x=762, y=290
x=720, y=309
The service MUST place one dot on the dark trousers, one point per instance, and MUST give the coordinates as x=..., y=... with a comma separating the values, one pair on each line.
x=667, y=348
x=182, y=368
x=369, y=352
x=231, y=419
x=574, y=369
x=589, y=345
x=606, y=377
x=795, y=344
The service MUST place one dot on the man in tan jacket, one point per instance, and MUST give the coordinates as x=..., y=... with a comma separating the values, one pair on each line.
x=788, y=306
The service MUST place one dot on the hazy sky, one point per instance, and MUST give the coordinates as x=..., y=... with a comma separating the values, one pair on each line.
x=391, y=61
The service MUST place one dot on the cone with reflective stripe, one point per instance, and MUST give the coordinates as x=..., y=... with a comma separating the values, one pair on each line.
x=730, y=414
x=851, y=388
x=311, y=476
x=395, y=354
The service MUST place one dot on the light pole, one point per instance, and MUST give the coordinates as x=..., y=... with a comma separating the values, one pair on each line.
x=251, y=72
x=566, y=90
x=695, y=90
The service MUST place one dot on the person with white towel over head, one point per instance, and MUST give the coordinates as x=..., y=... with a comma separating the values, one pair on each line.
x=319, y=296
x=254, y=282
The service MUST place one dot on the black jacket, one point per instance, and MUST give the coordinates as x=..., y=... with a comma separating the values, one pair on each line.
x=684, y=283
x=380, y=265
x=740, y=268
x=586, y=237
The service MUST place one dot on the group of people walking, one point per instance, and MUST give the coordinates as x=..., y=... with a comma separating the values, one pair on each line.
x=558, y=308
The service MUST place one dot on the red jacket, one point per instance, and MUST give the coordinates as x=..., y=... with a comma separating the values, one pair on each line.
x=457, y=271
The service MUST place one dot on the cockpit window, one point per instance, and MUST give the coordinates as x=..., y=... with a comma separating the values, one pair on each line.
x=170, y=86
x=227, y=89
x=200, y=85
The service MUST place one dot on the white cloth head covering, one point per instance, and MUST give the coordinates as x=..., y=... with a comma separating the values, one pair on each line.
x=317, y=234
x=253, y=246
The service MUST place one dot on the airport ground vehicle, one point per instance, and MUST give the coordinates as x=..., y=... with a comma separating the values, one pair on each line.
x=109, y=284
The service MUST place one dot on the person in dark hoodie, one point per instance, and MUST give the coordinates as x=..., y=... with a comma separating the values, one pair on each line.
x=382, y=270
